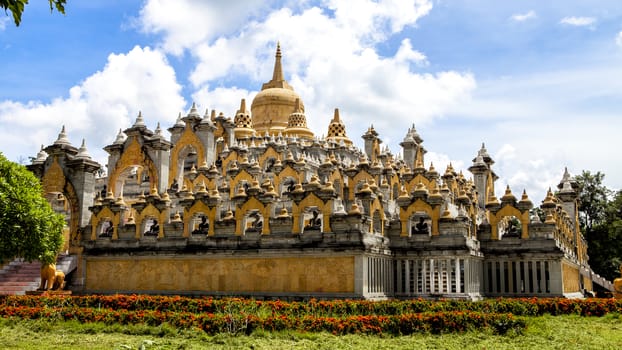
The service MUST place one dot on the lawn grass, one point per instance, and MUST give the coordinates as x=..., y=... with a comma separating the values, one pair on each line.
x=544, y=332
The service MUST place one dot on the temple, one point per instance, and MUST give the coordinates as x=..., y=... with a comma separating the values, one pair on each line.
x=257, y=205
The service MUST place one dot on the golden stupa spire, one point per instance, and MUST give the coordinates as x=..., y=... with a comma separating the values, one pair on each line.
x=278, y=81
x=277, y=75
x=336, y=118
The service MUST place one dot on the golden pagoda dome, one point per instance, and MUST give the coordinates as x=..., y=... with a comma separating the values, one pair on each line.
x=276, y=101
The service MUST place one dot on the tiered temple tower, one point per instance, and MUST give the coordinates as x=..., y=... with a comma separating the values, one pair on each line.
x=256, y=205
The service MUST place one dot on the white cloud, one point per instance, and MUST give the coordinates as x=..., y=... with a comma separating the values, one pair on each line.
x=3, y=22
x=441, y=161
x=331, y=59
x=578, y=21
x=521, y=17
x=619, y=39
x=550, y=121
x=226, y=100
x=108, y=100
x=506, y=153
x=186, y=23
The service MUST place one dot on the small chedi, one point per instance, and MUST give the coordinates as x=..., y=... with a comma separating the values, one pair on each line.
x=257, y=205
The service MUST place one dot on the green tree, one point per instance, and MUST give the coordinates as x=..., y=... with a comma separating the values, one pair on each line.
x=600, y=216
x=592, y=199
x=607, y=240
x=17, y=7
x=29, y=228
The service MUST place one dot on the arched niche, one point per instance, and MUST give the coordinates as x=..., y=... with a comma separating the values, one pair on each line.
x=61, y=194
x=228, y=161
x=268, y=158
x=509, y=226
x=193, y=218
x=101, y=222
x=376, y=212
x=242, y=179
x=301, y=212
x=414, y=211
x=253, y=221
x=131, y=182
x=132, y=162
x=497, y=220
x=187, y=151
x=188, y=158
x=312, y=219
x=286, y=175
x=337, y=180
x=150, y=222
x=414, y=182
x=357, y=181
x=242, y=215
x=287, y=185
x=420, y=223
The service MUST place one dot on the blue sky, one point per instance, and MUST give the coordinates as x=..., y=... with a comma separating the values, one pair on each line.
x=539, y=82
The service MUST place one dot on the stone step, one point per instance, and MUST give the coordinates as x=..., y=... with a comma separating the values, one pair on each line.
x=19, y=279
x=11, y=293
x=14, y=288
x=19, y=276
x=20, y=283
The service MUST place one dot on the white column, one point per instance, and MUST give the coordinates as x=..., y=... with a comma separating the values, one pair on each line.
x=448, y=275
x=511, y=277
x=535, y=277
x=457, y=275
x=503, y=277
x=399, y=276
x=494, y=277
x=432, y=272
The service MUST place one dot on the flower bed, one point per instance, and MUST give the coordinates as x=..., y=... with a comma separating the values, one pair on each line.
x=339, y=317
x=434, y=322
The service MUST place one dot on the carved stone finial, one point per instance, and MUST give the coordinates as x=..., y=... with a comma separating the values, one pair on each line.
x=62, y=138
x=121, y=137
x=140, y=121
x=83, y=153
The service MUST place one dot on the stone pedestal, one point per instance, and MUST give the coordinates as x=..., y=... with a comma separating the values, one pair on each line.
x=48, y=293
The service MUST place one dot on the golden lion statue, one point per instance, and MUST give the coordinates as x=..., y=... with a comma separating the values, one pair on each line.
x=51, y=279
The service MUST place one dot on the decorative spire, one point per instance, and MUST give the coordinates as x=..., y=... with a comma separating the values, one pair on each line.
x=62, y=138
x=337, y=130
x=278, y=80
x=41, y=156
x=120, y=138
x=277, y=75
x=566, y=176
x=243, y=107
x=83, y=153
x=158, y=131
x=193, y=111
x=139, y=120
x=179, y=122
x=336, y=118
x=483, y=152
x=297, y=108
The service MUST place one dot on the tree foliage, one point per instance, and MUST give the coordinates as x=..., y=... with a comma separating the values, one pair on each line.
x=592, y=199
x=29, y=228
x=16, y=7
x=600, y=217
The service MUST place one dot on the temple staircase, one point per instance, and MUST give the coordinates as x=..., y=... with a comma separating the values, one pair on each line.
x=19, y=276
